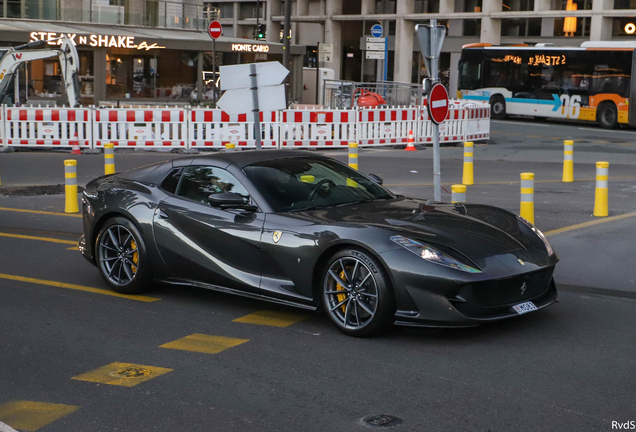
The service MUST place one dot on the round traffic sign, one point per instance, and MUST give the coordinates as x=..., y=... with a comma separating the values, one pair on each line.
x=437, y=103
x=376, y=30
x=215, y=29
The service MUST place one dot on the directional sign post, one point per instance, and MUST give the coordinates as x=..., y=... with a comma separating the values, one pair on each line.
x=215, y=29
x=251, y=88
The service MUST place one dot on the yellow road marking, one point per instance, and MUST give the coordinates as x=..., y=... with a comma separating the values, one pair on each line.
x=511, y=181
x=122, y=374
x=39, y=212
x=204, y=343
x=272, y=318
x=591, y=223
x=48, y=239
x=77, y=287
x=31, y=416
x=73, y=248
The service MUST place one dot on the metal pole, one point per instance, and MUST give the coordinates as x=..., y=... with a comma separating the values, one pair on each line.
x=286, y=30
x=258, y=15
x=437, y=179
x=214, y=71
x=257, y=117
x=317, y=71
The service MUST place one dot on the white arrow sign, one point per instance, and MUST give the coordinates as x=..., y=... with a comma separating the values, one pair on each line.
x=240, y=101
x=238, y=76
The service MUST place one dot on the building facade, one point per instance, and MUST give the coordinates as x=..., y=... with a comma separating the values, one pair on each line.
x=345, y=23
x=131, y=51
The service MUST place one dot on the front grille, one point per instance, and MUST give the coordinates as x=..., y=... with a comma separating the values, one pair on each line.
x=510, y=291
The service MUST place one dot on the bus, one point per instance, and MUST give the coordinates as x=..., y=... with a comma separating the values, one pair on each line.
x=592, y=82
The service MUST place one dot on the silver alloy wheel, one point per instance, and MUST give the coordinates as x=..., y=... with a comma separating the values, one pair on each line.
x=118, y=255
x=351, y=293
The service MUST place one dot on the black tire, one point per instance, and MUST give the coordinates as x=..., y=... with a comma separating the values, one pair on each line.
x=607, y=115
x=366, y=306
x=120, y=255
x=498, y=107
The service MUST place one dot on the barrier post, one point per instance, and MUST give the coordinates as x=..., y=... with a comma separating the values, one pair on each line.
x=70, y=175
x=467, y=178
x=526, y=210
x=109, y=158
x=568, y=161
x=600, y=197
x=459, y=194
x=230, y=147
x=353, y=155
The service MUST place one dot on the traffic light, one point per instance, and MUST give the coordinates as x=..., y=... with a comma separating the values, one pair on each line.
x=260, y=31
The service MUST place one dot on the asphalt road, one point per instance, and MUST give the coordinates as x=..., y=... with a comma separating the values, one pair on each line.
x=569, y=367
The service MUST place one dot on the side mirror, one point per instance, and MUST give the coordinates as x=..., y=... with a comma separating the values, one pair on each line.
x=229, y=200
x=375, y=178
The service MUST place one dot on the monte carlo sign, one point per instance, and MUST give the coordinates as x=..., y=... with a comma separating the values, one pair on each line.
x=95, y=40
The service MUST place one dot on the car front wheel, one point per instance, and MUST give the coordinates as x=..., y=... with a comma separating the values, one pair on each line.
x=357, y=295
x=121, y=257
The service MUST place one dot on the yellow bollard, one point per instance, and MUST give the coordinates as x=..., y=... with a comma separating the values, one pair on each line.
x=458, y=194
x=109, y=158
x=600, y=197
x=70, y=174
x=353, y=155
x=526, y=210
x=568, y=161
x=230, y=147
x=467, y=178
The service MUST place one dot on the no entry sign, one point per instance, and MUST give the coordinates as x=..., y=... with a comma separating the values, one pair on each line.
x=215, y=29
x=438, y=103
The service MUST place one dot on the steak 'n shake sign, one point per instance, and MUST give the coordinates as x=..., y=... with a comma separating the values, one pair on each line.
x=94, y=40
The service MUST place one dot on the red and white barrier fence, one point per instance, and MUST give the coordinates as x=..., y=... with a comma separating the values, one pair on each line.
x=46, y=127
x=377, y=126
x=215, y=128
x=211, y=128
x=140, y=127
x=323, y=128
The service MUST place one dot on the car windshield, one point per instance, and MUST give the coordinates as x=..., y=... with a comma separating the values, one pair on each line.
x=305, y=183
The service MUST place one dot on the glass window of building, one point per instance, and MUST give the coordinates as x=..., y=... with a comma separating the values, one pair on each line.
x=29, y=9
x=521, y=27
x=472, y=6
x=248, y=10
x=426, y=6
x=624, y=4
x=472, y=27
x=385, y=6
x=225, y=10
x=624, y=27
x=573, y=5
x=572, y=27
x=517, y=5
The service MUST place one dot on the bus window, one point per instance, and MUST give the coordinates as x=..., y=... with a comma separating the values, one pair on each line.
x=469, y=74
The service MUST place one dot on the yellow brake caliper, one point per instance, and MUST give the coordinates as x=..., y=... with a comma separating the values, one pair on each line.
x=135, y=256
x=341, y=297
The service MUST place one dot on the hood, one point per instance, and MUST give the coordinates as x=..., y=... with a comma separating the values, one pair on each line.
x=474, y=230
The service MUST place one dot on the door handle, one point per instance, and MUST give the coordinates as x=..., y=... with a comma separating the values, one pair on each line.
x=162, y=214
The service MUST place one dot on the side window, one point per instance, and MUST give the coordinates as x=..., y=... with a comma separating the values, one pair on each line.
x=199, y=182
x=171, y=181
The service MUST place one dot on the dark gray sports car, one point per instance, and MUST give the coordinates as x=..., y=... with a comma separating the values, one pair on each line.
x=305, y=230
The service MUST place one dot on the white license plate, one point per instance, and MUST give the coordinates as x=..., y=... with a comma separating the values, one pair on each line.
x=524, y=308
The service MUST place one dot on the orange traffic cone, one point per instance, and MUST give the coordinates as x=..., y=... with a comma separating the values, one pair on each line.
x=76, y=148
x=410, y=142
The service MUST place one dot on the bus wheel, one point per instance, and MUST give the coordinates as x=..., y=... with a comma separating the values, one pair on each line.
x=607, y=116
x=498, y=107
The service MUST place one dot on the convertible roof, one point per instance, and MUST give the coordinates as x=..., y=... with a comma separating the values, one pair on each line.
x=249, y=157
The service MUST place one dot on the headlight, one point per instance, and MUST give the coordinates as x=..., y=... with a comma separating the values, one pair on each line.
x=91, y=194
x=539, y=234
x=431, y=254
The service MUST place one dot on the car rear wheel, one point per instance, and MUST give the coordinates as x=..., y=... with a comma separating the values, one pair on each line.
x=121, y=257
x=357, y=295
